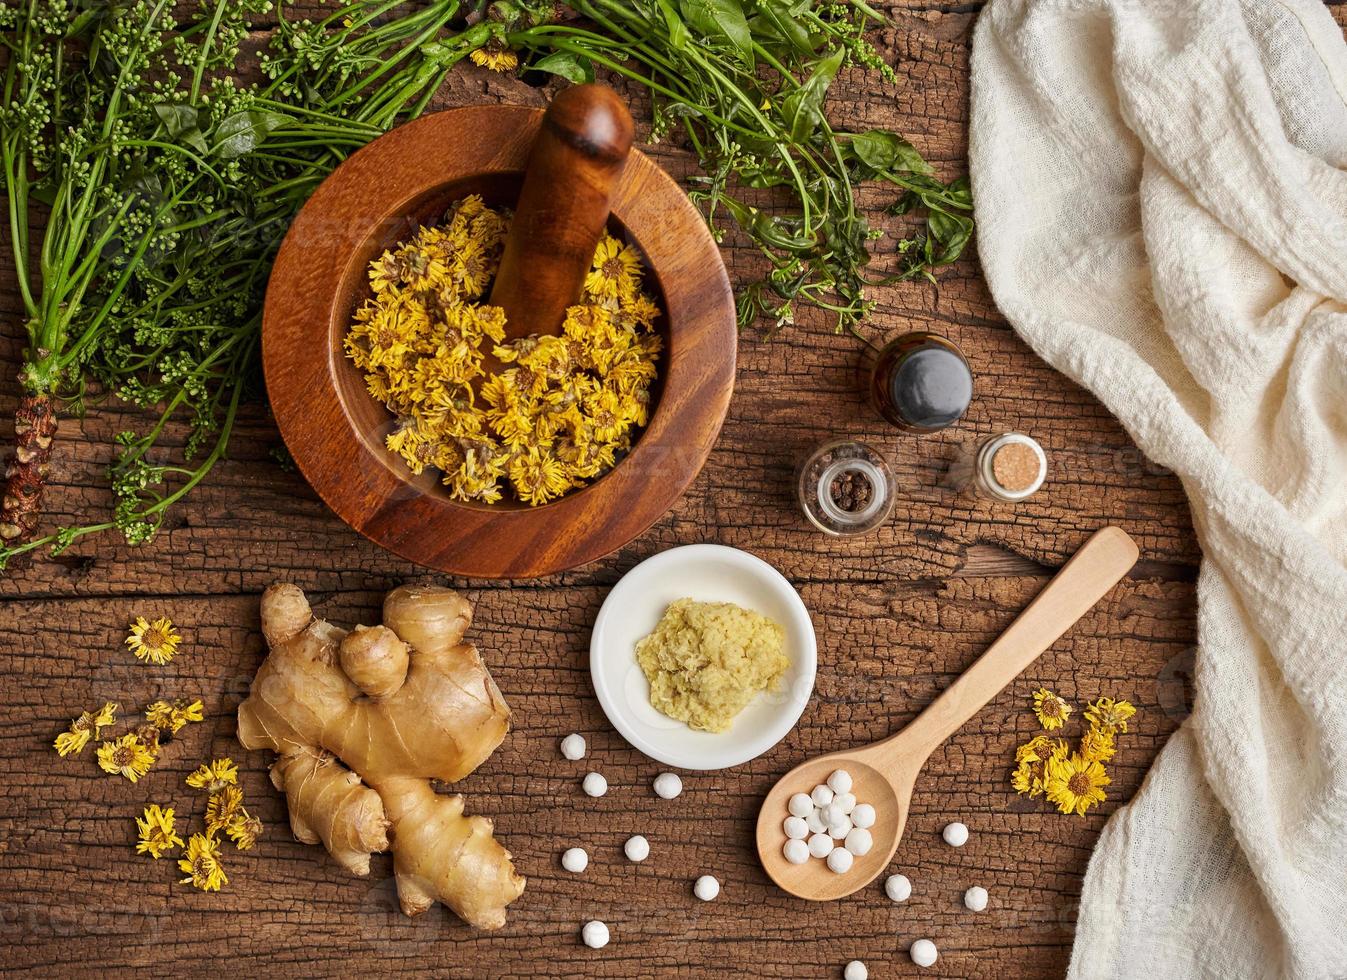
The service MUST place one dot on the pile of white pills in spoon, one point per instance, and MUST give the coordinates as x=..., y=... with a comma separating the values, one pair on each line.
x=829, y=823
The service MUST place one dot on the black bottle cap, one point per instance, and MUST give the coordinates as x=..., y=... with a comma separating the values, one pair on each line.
x=931, y=387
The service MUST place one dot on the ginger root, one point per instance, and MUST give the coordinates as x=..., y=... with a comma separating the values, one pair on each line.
x=363, y=721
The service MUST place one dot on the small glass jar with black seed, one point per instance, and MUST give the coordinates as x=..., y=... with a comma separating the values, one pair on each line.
x=845, y=487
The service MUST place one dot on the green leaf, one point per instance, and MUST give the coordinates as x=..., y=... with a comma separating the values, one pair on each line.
x=678, y=31
x=180, y=121
x=767, y=230
x=803, y=108
x=569, y=66
x=881, y=150
x=240, y=134
x=723, y=19
x=951, y=232
x=81, y=23
x=780, y=21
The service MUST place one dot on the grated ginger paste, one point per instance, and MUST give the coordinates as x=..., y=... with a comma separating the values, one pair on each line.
x=706, y=661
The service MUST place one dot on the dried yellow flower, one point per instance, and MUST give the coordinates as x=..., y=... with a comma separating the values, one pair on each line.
x=128, y=756
x=560, y=411
x=155, y=642
x=1074, y=783
x=1109, y=715
x=171, y=717
x=1032, y=759
x=495, y=57
x=244, y=830
x=616, y=273
x=156, y=832
x=89, y=724
x=1052, y=711
x=214, y=776
x=1097, y=744
x=202, y=864
x=222, y=807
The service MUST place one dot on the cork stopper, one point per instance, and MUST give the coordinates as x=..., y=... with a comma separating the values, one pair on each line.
x=1016, y=467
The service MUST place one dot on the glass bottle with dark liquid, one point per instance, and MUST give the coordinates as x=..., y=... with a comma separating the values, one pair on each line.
x=920, y=382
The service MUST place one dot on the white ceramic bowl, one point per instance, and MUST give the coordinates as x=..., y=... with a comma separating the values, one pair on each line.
x=709, y=573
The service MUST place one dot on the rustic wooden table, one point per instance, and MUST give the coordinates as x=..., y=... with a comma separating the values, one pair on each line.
x=898, y=616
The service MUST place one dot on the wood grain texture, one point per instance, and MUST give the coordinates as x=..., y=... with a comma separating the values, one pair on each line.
x=335, y=431
x=898, y=614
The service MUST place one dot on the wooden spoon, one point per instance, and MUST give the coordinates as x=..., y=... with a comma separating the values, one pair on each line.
x=883, y=774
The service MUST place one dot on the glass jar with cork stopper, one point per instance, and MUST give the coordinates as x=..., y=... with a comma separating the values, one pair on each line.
x=1007, y=467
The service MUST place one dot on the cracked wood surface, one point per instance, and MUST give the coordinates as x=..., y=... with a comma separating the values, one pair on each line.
x=898, y=616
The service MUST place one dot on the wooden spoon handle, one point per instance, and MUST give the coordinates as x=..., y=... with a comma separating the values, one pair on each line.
x=1099, y=564
x=573, y=169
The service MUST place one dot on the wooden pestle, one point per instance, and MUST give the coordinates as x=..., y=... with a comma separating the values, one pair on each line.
x=573, y=169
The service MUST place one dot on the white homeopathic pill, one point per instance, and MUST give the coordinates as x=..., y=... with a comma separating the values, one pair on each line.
x=575, y=860
x=594, y=785
x=845, y=802
x=855, y=970
x=814, y=820
x=800, y=805
x=573, y=746
x=821, y=795
x=637, y=848
x=595, y=934
x=975, y=899
x=839, y=828
x=863, y=816
x=821, y=845
x=955, y=834
x=796, y=851
x=898, y=888
x=667, y=785
x=859, y=841
x=923, y=953
x=796, y=828
x=839, y=860
x=706, y=888
x=840, y=781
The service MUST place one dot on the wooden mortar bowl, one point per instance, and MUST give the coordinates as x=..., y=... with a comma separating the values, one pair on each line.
x=335, y=430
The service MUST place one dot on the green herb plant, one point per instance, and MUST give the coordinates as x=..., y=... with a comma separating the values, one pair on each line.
x=147, y=190
x=744, y=82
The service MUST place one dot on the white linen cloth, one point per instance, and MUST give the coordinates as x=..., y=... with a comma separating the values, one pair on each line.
x=1162, y=216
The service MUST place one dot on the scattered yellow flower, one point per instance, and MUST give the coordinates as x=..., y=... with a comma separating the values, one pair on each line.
x=128, y=756
x=89, y=724
x=1075, y=783
x=149, y=737
x=1031, y=760
x=1045, y=766
x=244, y=830
x=202, y=864
x=1037, y=747
x=558, y=412
x=1109, y=715
x=155, y=642
x=495, y=57
x=156, y=832
x=1097, y=744
x=222, y=807
x=1052, y=711
x=171, y=717
x=214, y=776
